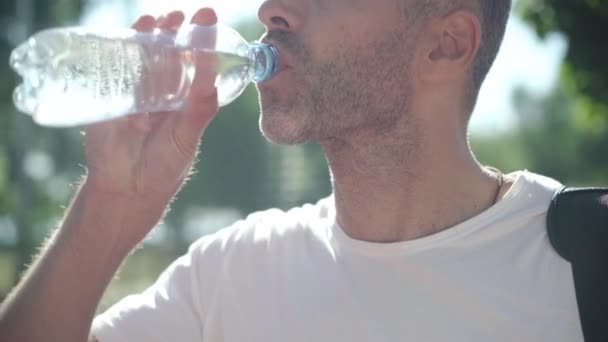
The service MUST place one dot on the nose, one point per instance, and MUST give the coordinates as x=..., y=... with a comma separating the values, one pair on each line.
x=276, y=15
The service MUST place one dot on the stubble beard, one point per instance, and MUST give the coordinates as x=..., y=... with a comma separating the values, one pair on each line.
x=363, y=89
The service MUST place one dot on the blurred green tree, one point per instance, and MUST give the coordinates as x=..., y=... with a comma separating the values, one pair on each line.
x=551, y=139
x=33, y=161
x=567, y=132
x=585, y=24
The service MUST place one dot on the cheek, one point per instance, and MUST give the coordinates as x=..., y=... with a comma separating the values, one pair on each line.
x=329, y=39
x=347, y=43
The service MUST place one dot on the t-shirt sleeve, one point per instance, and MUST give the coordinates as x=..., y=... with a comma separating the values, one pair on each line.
x=169, y=310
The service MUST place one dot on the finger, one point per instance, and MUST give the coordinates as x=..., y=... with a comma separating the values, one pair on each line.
x=201, y=107
x=145, y=23
x=140, y=122
x=171, y=22
x=204, y=16
x=203, y=85
x=203, y=31
x=171, y=72
x=202, y=104
x=206, y=64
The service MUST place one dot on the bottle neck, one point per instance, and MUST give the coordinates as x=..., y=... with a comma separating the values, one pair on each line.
x=265, y=60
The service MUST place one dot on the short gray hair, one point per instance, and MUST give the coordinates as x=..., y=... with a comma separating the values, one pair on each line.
x=493, y=16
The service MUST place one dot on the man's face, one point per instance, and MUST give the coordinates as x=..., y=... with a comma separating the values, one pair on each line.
x=347, y=68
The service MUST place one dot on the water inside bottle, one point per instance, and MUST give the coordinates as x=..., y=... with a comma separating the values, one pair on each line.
x=73, y=78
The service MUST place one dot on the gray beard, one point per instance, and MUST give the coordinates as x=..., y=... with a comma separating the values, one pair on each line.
x=365, y=87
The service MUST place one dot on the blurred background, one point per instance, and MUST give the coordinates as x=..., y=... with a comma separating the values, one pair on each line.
x=544, y=108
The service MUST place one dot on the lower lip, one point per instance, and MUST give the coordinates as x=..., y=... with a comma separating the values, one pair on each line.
x=281, y=69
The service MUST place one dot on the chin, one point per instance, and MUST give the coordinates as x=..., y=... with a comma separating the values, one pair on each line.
x=281, y=121
x=282, y=128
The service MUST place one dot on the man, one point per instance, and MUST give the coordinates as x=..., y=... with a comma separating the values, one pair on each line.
x=417, y=243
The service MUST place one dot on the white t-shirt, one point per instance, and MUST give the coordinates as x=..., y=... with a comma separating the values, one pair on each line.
x=296, y=276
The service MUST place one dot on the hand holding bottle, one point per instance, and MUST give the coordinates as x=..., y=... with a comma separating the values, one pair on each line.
x=136, y=164
x=149, y=155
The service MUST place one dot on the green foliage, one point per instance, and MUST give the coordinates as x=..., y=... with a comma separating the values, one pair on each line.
x=585, y=24
x=566, y=134
x=550, y=140
x=32, y=160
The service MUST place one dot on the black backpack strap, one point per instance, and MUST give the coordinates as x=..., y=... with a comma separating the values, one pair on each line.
x=577, y=225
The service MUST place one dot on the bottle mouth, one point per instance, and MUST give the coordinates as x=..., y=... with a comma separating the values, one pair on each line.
x=266, y=63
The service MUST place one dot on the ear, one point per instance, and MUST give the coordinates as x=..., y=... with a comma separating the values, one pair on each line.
x=451, y=46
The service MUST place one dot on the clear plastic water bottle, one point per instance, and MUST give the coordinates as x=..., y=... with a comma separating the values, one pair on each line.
x=74, y=76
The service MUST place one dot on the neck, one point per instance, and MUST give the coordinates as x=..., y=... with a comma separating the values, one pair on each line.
x=407, y=183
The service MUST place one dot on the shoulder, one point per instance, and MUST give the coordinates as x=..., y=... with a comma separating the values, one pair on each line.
x=541, y=182
x=270, y=229
x=532, y=189
x=524, y=207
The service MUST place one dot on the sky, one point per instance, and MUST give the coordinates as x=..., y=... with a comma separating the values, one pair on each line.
x=523, y=61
